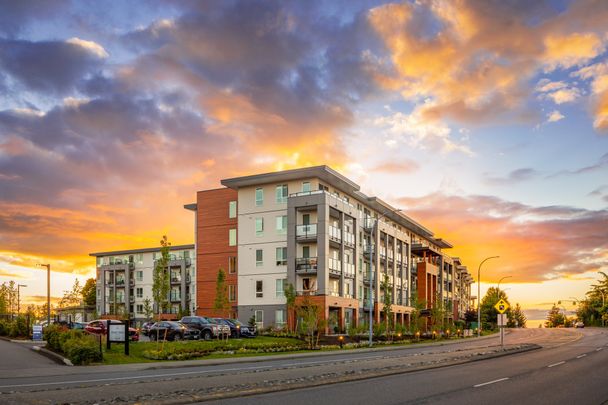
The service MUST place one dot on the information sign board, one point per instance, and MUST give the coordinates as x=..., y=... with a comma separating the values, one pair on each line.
x=37, y=332
x=116, y=332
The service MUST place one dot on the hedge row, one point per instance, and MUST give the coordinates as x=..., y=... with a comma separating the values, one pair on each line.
x=17, y=327
x=79, y=347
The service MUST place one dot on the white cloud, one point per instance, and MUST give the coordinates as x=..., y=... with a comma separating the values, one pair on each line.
x=90, y=46
x=555, y=116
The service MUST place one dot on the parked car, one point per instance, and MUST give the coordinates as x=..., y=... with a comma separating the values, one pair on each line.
x=244, y=330
x=234, y=330
x=145, y=327
x=579, y=324
x=172, y=330
x=207, y=327
x=78, y=325
x=98, y=327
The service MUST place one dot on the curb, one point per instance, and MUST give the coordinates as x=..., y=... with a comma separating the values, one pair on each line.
x=57, y=358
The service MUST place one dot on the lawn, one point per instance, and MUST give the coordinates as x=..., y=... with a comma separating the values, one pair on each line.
x=249, y=347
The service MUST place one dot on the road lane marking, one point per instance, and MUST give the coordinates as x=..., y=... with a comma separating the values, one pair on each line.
x=598, y=349
x=490, y=382
x=556, y=364
x=581, y=356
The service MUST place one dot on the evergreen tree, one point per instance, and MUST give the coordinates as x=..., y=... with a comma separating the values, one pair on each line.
x=160, y=286
x=89, y=292
x=221, y=303
x=554, y=317
x=517, y=317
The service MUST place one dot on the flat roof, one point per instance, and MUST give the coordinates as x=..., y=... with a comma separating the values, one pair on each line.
x=144, y=250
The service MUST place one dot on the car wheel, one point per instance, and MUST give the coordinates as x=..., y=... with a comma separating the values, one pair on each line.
x=152, y=337
x=207, y=335
x=177, y=337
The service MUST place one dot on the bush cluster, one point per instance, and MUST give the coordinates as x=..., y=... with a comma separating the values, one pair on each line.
x=76, y=345
x=17, y=327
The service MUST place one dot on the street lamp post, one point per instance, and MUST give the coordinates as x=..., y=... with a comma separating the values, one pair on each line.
x=479, y=293
x=499, y=281
x=48, y=292
x=19, y=298
x=371, y=275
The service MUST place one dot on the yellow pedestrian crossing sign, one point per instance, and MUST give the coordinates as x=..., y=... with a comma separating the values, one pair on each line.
x=501, y=306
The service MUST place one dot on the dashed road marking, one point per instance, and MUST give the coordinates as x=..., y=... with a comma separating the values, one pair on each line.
x=556, y=364
x=490, y=382
x=598, y=349
x=580, y=356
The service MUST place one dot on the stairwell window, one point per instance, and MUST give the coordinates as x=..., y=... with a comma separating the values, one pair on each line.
x=231, y=293
x=259, y=257
x=232, y=209
x=259, y=197
x=232, y=237
x=281, y=193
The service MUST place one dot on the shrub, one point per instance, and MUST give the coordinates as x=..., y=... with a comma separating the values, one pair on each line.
x=4, y=328
x=81, y=348
x=18, y=327
x=52, y=335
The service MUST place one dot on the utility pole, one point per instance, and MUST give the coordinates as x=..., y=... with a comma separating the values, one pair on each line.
x=48, y=292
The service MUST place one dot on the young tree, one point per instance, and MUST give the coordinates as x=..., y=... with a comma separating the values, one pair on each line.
x=148, y=310
x=416, y=321
x=221, y=303
x=72, y=298
x=517, y=318
x=89, y=292
x=554, y=317
x=160, y=285
x=438, y=314
x=312, y=321
x=387, y=306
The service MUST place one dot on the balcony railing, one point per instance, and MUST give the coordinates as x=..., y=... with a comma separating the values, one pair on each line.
x=306, y=232
x=334, y=293
x=335, y=234
x=349, y=270
x=176, y=278
x=306, y=265
x=349, y=239
x=335, y=266
x=175, y=297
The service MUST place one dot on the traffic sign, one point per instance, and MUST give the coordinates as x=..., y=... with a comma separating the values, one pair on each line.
x=501, y=306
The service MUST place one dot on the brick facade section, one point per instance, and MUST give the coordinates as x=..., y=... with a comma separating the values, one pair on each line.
x=212, y=250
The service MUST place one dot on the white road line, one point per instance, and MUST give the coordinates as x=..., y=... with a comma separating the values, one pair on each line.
x=490, y=382
x=581, y=356
x=598, y=349
x=556, y=364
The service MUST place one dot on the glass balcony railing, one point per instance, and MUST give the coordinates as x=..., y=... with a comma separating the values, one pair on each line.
x=335, y=234
x=349, y=238
x=335, y=265
x=306, y=264
x=304, y=232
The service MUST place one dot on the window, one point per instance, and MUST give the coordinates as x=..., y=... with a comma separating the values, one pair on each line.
x=323, y=187
x=259, y=289
x=232, y=209
x=140, y=292
x=306, y=219
x=259, y=197
x=232, y=237
x=306, y=251
x=282, y=224
x=280, y=284
x=140, y=309
x=281, y=256
x=139, y=275
x=232, y=265
x=259, y=257
x=140, y=258
x=231, y=293
x=305, y=284
x=306, y=187
x=259, y=318
x=280, y=318
x=259, y=226
x=281, y=193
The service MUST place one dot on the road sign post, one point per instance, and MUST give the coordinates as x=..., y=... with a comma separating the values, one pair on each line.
x=502, y=306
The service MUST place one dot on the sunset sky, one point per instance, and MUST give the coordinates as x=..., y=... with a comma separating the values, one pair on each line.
x=487, y=121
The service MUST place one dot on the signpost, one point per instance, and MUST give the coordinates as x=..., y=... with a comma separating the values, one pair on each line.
x=37, y=332
x=502, y=306
x=118, y=333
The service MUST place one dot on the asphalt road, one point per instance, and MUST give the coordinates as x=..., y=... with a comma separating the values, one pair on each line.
x=18, y=356
x=188, y=381
x=564, y=372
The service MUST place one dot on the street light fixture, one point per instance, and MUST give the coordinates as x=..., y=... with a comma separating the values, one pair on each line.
x=48, y=292
x=371, y=275
x=19, y=298
x=479, y=293
x=499, y=281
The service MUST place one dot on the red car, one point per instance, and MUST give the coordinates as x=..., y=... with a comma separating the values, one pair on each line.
x=98, y=327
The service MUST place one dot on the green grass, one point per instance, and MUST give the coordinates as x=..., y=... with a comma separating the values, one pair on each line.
x=136, y=349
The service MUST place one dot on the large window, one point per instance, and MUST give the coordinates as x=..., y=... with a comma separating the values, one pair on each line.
x=259, y=226
x=232, y=209
x=281, y=256
x=280, y=286
x=232, y=237
x=231, y=264
x=139, y=292
x=231, y=293
x=259, y=289
x=282, y=224
x=139, y=275
x=281, y=193
x=140, y=309
x=259, y=257
x=259, y=197
x=259, y=318
x=280, y=318
x=306, y=187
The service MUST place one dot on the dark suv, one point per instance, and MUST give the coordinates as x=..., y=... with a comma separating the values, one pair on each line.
x=208, y=327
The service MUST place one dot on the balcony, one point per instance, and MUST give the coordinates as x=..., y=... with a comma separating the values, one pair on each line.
x=367, y=223
x=131, y=282
x=306, y=265
x=335, y=234
x=175, y=297
x=335, y=267
x=334, y=293
x=176, y=278
x=349, y=239
x=306, y=233
x=120, y=299
x=131, y=298
x=349, y=270
x=120, y=283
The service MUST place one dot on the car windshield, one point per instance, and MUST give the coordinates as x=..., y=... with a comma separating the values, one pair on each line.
x=175, y=324
x=236, y=322
x=211, y=320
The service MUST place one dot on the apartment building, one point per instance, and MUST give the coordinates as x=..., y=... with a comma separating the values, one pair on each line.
x=315, y=229
x=125, y=279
